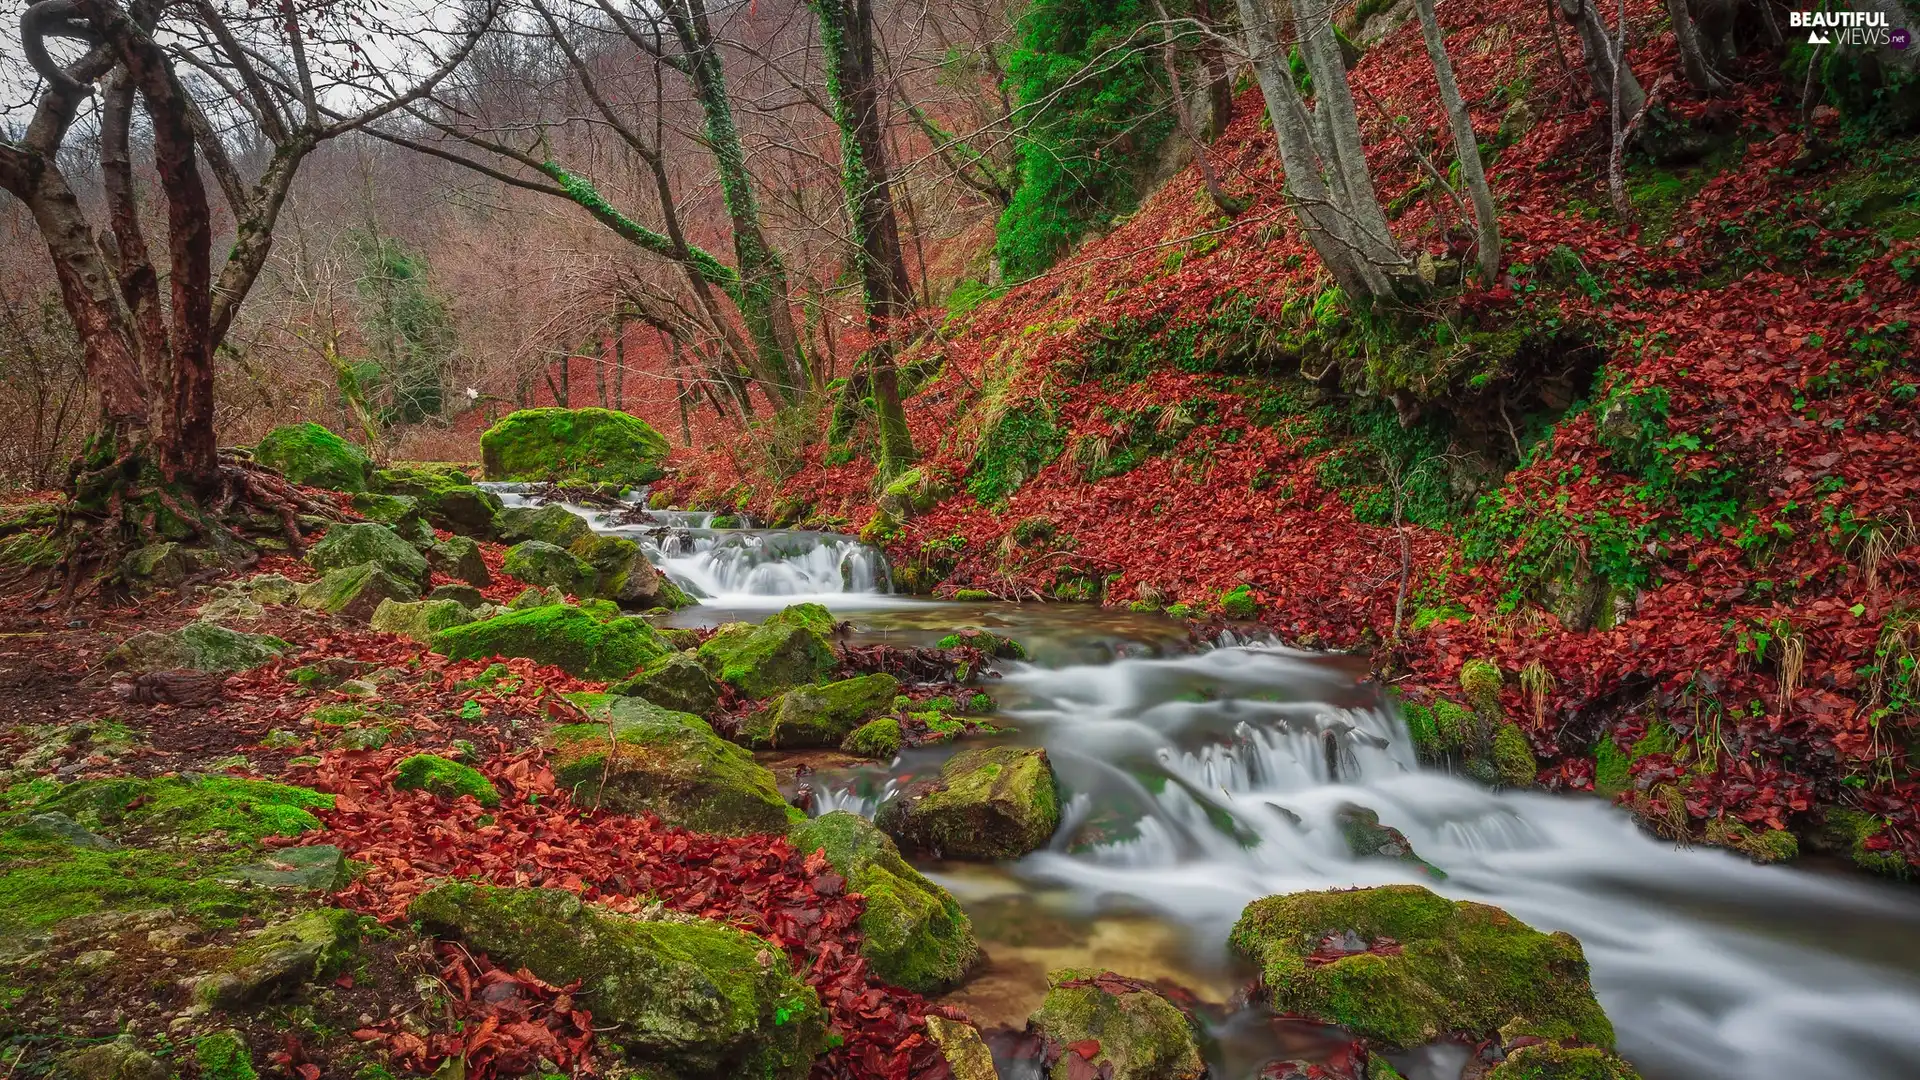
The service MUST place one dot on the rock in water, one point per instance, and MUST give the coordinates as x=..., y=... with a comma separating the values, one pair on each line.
x=915, y=935
x=676, y=682
x=582, y=643
x=1368, y=839
x=1133, y=1032
x=694, y=996
x=819, y=715
x=666, y=763
x=359, y=542
x=573, y=446
x=791, y=648
x=446, y=496
x=997, y=802
x=1402, y=967
x=310, y=454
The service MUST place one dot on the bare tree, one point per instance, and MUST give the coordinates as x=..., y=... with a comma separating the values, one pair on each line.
x=1465, y=147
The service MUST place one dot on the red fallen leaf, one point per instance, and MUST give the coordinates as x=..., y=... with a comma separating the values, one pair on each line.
x=1086, y=1048
x=308, y=1071
x=345, y=981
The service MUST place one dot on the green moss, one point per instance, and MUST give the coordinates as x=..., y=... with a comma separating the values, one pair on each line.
x=1513, y=756
x=971, y=595
x=1140, y=1034
x=573, y=446
x=997, y=802
x=666, y=763
x=1480, y=680
x=223, y=1055
x=310, y=454
x=1239, y=603
x=539, y=563
x=1553, y=1061
x=558, y=634
x=791, y=648
x=199, y=646
x=356, y=592
x=677, y=682
x=1612, y=768
x=1854, y=829
x=355, y=543
x=1462, y=967
x=1018, y=444
x=992, y=644
x=241, y=810
x=446, y=779
x=550, y=524
x=913, y=932
x=878, y=739
x=419, y=619
x=818, y=715
x=45, y=881
x=697, y=996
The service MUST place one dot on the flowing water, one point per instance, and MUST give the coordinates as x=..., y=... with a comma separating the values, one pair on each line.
x=1201, y=780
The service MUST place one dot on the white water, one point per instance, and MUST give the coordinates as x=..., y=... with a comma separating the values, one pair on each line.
x=1215, y=768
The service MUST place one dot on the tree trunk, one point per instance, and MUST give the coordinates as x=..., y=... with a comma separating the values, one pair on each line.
x=1465, y=146
x=1597, y=45
x=1687, y=36
x=1219, y=77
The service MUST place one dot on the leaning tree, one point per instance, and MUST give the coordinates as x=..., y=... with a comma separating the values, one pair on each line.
x=233, y=89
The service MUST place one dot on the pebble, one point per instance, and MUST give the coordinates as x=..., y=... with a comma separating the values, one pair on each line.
x=94, y=959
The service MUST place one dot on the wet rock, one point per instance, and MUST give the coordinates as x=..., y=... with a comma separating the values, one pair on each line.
x=878, y=739
x=1366, y=838
x=573, y=446
x=625, y=575
x=666, y=763
x=1432, y=967
x=310, y=454
x=967, y=1055
x=539, y=563
x=357, y=543
x=986, y=641
x=677, y=682
x=819, y=715
x=197, y=646
x=459, y=557
x=465, y=595
x=321, y=867
x=791, y=648
x=1547, y=1060
x=419, y=619
x=447, y=779
x=1122, y=1028
x=988, y=803
x=305, y=948
x=700, y=998
x=551, y=524
x=446, y=496
x=356, y=592
x=1513, y=757
x=915, y=935
x=121, y=1059
x=579, y=641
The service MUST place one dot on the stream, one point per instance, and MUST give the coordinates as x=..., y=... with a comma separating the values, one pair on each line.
x=1199, y=781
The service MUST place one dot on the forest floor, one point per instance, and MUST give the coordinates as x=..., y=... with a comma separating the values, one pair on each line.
x=1663, y=474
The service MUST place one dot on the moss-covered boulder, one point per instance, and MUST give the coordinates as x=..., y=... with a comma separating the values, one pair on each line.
x=310, y=454
x=821, y=715
x=995, y=645
x=357, y=543
x=677, y=682
x=1558, y=1061
x=459, y=557
x=913, y=933
x=878, y=738
x=1401, y=967
x=1130, y=1029
x=198, y=646
x=550, y=524
x=695, y=997
x=119, y=1059
x=625, y=575
x=573, y=446
x=447, y=498
x=356, y=592
x=582, y=643
x=223, y=1055
x=537, y=562
x=419, y=619
x=400, y=513
x=282, y=957
x=444, y=778
x=967, y=1055
x=791, y=648
x=912, y=493
x=665, y=763
x=240, y=811
x=1513, y=756
x=997, y=802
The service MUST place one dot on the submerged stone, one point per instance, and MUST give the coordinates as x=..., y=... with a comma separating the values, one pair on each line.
x=312, y=455
x=1134, y=1032
x=791, y=648
x=198, y=646
x=1366, y=838
x=676, y=682
x=989, y=803
x=695, y=997
x=819, y=715
x=665, y=763
x=573, y=446
x=914, y=934
x=565, y=636
x=1401, y=967
x=356, y=543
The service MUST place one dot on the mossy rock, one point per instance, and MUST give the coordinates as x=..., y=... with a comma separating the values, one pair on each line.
x=914, y=933
x=45, y=881
x=1449, y=967
x=967, y=1055
x=356, y=592
x=534, y=596
x=1556, y=1061
x=310, y=454
x=120, y=1059
x=878, y=738
x=400, y=513
x=1513, y=756
x=241, y=810
x=448, y=499
x=791, y=648
x=695, y=997
x=550, y=524
x=1366, y=838
x=1139, y=1033
x=573, y=446
x=1239, y=603
x=677, y=682
x=445, y=778
x=282, y=957
x=991, y=803
x=1850, y=833
x=995, y=645
x=625, y=575
x=565, y=636
x=165, y=565
x=666, y=763
x=274, y=589
x=819, y=715
x=223, y=1055
x=459, y=557
x=419, y=619
x=1480, y=681
x=537, y=562
x=198, y=646
x=912, y=493
x=357, y=543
